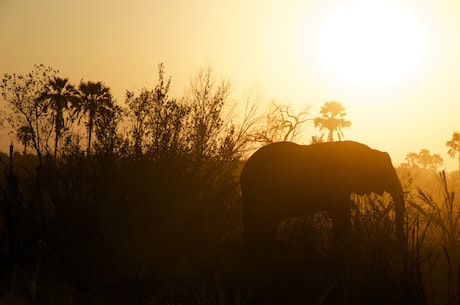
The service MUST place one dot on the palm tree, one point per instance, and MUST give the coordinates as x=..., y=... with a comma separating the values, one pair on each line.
x=454, y=145
x=60, y=93
x=24, y=134
x=93, y=99
x=332, y=119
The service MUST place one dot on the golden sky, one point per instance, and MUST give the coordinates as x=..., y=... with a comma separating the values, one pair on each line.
x=413, y=102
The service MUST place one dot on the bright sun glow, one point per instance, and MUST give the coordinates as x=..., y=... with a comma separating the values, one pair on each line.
x=370, y=43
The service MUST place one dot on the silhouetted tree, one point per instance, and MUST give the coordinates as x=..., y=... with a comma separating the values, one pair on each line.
x=139, y=108
x=424, y=159
x=282, y=124
x=106, y=126
x=206, y=100
x=428, y=160
x=411, y=159
x=249, y=122
x=333, y=119
x=60, y=93
x=23, y=93
x=24, y=134
x=157, y=121
x=166, y=121
x=454, y=147
x=93, y=99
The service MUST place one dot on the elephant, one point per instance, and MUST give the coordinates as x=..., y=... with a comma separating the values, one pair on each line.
x=285, y=179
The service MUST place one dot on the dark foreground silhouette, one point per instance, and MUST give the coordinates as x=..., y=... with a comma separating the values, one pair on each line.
x=110, y=230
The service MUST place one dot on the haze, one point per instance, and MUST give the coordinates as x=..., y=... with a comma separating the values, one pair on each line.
x=272, y=44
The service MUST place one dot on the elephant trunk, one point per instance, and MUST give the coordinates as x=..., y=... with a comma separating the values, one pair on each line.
x=398, y=197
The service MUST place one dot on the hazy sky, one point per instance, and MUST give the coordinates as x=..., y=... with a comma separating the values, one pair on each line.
x=273, y=44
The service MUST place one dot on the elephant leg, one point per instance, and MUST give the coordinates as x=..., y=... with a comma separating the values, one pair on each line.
x=260, y=232
x=341, y=225
x=259, y=238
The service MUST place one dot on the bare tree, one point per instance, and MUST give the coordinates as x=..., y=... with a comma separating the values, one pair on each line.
x=246, y=120
x=206, y=99
x=282, y=123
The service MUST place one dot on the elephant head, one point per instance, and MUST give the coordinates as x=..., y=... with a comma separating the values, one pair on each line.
x=285, y=179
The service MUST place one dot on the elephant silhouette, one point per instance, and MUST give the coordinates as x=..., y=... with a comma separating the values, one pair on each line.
x=284, y=179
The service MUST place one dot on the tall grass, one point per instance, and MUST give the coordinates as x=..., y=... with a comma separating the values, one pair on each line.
x=440, y=213
x=379, y=268
x=129, y=251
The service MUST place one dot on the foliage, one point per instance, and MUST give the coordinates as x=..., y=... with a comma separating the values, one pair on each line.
x=139, y=109
x=379, y=269
x=60, y=93
x=23, y=93
x=332, y=119
x=424, y=159
x=317, y=139
x=439, y=214
x=444, y=215
x=24, y=135
x=157, y=121
x=211, y=133
x=454, y=146
x=106, y=127
x=95, y=101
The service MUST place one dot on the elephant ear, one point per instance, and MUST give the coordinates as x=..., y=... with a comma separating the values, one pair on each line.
x=373, y=173
x=386, y=175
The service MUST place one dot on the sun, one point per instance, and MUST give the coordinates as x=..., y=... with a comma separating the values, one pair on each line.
x=370, y=43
